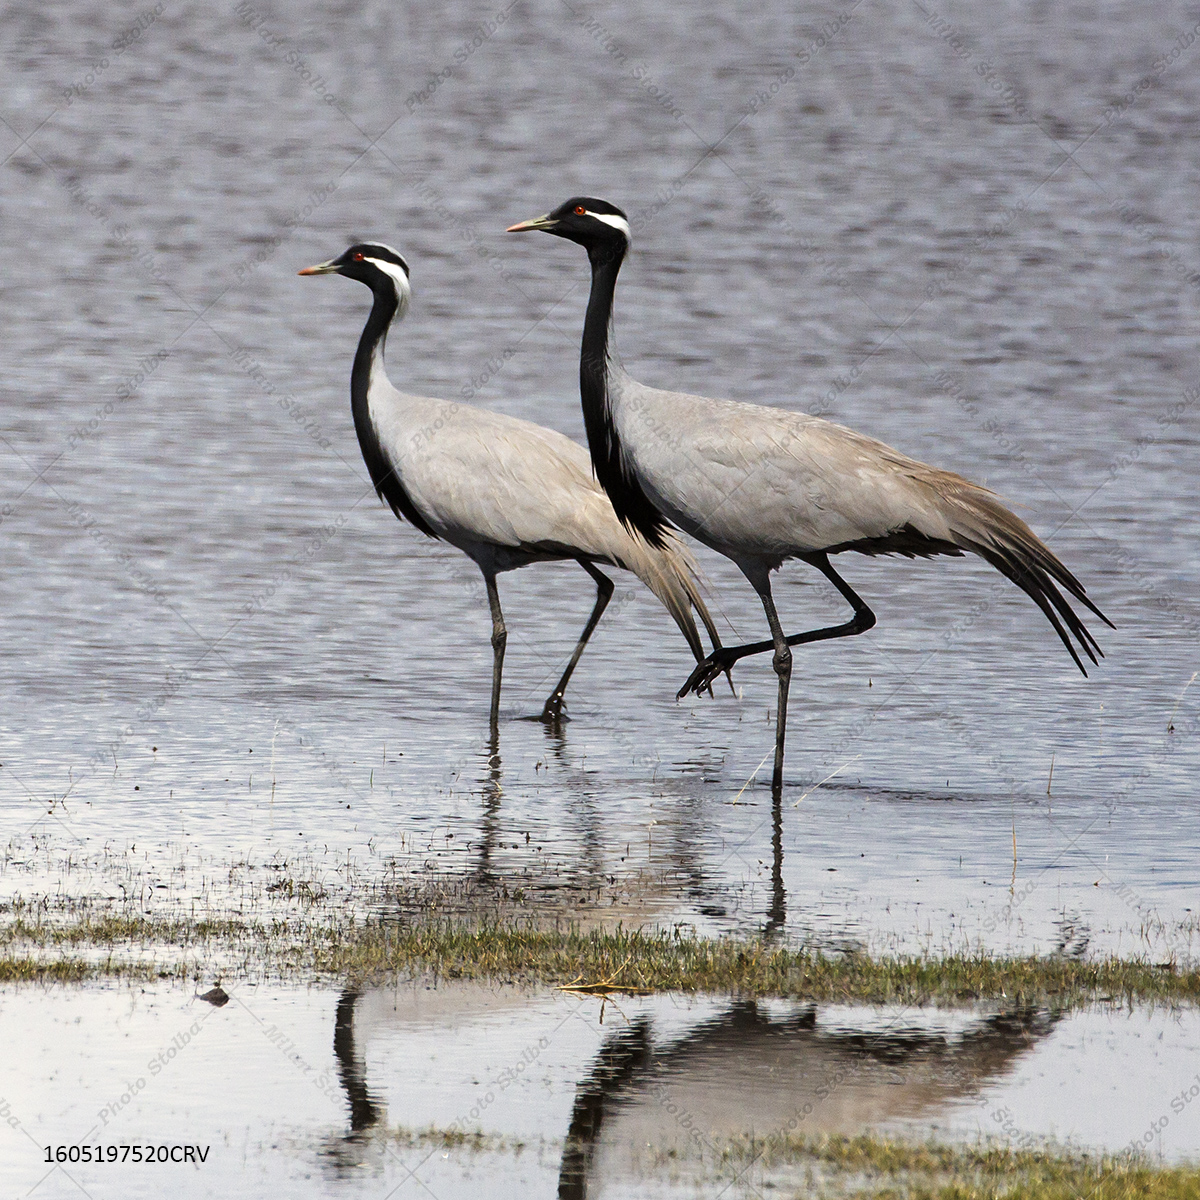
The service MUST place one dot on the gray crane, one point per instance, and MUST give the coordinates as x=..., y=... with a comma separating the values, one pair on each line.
x=761, y=485
x=505, y=492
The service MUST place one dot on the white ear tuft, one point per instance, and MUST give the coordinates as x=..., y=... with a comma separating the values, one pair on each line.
x=398, y=277
x=615, y=221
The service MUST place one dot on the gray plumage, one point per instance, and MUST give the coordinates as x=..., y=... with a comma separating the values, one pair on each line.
x=761, y=485
x=506, y=492
x=509, y=493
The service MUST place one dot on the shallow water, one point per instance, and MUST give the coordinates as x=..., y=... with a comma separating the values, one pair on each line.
x=233, y=683
x=324, y=1093
x=197, y=677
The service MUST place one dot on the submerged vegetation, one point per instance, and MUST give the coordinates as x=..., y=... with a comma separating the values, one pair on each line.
x=597, y=960
x=886, y=1168
x=866, y=1166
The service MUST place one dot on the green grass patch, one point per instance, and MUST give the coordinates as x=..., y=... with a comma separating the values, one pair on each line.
x=866, y=1167
x=615, y=960
x=890, y=1169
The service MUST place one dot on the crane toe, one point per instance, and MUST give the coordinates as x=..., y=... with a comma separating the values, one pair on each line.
x=718, y=663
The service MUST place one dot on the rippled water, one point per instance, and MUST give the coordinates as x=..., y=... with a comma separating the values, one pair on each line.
x=329, y=1094
x=195, y=673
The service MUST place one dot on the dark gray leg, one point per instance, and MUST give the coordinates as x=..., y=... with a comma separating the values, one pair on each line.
x=782, y=662
x=499, y=641
x=724, y=658
x=552, y=711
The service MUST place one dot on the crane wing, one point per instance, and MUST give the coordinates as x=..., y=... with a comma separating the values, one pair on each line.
x=768, y=484
x=486, y=479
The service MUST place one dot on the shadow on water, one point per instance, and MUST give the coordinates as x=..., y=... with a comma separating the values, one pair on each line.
x=486, y=873
x=777, y=913
x=491, y=793
x=746, y=1073
x=740, y=1073
x=621, y=1061
x=681, y=867
x=664, y=864
x=366, y=1112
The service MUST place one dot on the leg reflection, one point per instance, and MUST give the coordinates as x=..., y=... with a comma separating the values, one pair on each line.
x=777, y=912
x=620, y=1059
x=364, y=1111
x=489, y=824
x=345, y=1153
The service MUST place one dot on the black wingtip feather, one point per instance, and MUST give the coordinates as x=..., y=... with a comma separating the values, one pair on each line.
x=1036, y=582
x=1051, y=566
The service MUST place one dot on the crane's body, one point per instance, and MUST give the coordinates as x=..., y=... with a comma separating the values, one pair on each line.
x=761, y=485
x=506, y=492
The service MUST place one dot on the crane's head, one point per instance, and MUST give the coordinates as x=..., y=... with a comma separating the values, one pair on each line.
x=594, y=224
x=372, y=263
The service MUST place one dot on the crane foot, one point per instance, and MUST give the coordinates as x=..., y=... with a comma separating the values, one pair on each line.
x=719, y=662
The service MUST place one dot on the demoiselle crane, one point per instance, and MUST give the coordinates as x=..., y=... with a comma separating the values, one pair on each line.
x=505, y=492
x=761, y=485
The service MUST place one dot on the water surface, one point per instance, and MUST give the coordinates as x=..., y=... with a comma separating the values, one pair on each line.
x=221, y=653
x=469, y=1090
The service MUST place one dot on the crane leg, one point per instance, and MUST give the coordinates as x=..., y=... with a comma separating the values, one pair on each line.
x=552, y=710
x=782, y=662
x=499, y=641
x=724, y=658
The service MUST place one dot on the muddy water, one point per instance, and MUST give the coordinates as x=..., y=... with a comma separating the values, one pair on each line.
x=352, y=1093
x=221, y=654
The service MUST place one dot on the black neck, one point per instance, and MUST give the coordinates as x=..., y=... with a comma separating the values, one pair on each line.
x=631, y=503
x=367, y=360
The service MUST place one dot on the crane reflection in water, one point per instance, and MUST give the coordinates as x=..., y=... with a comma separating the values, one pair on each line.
x=753, y=1068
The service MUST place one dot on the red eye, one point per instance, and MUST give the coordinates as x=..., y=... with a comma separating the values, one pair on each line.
x=359, y=257
x=580, y=211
